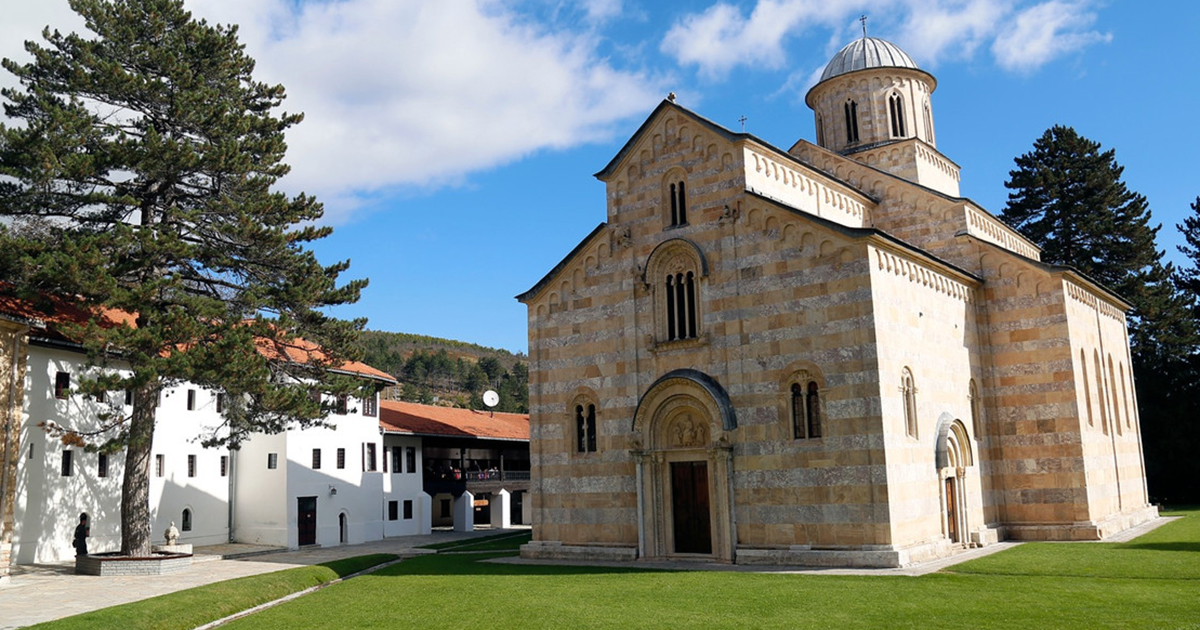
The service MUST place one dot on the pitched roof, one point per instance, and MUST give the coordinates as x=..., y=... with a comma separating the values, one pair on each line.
x=427, y=420
x=50, y=312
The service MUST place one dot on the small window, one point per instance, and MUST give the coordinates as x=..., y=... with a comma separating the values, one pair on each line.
x=928, y=123
x=976, y=409
x=62, y=385
x=224, y=465
x=909, y=390
x=370, y=406
x=102, y=465
x=316, y=462
x=393, y=510
x=408, y=509
x=220, y=402
x=396, y=452
x=191, y=400
x=191, y=465
x=896, y=111
x=101, y=396
x=67, y=469
x=445, y=508
x=185, y=522
x=128, y=397
x=585, y=428
x=678, y=195
x=341, y=458
x=160, y=465
x=343, y=405
x=851, y=121
x=806, y=410
x=369, y=457
x=272, y=461
x=410, y=456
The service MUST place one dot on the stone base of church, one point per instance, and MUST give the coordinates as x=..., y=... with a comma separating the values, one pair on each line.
x=882, y=556
x=552, y=550
x=1088, y=530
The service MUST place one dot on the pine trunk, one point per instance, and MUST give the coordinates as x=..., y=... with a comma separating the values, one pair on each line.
x=135, y=492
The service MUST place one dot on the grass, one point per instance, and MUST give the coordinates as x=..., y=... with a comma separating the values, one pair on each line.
x=1151, y=582
x=200, y=605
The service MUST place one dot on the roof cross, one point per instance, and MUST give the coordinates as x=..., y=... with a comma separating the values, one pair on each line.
x=743, y=120
x=863, y=19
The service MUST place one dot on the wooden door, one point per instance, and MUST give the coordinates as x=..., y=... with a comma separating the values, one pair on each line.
x=951, y=511
x=689, y=507
x=306, y=519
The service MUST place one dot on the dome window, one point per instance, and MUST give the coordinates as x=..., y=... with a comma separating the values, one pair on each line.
x=851, y=121
x=896, y=109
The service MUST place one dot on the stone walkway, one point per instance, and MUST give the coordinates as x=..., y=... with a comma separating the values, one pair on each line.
x=37, y=593
x=44, y=592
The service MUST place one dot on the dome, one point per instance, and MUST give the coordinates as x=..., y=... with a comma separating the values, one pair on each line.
x=867, y=52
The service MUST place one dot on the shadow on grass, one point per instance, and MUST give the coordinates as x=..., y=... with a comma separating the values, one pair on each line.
x=1164, y=546
x=473, y=564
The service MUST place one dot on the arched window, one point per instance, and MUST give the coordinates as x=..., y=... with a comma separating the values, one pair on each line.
x=681, y=305
x=806, y=410
x=585, y=427
x=976, y=409
x=909, y=389
x=678, y=203
x=674, y=272
x=1112, y=379
x=820, y=131
x=1100, y=397
x=343, y=529
x=928, y=123
x=851, y=121
x=1125, y=399
x=896, y=109
x=1087, y=388
x=186, y=520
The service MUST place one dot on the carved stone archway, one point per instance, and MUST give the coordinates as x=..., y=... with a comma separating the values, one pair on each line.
x=953, y=457
x=684, y=466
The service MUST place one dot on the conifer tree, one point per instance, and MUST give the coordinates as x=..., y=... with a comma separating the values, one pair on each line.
x=136, y=174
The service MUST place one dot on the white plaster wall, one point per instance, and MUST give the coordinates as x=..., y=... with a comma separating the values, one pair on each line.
x=48, y=504
x=405, y=485
x=260, y=497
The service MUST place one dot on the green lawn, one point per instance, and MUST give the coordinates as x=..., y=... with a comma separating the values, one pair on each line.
x=1152, y=582
x=203, y=604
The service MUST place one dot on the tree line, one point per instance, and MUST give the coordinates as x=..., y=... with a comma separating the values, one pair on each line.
x=428, y=372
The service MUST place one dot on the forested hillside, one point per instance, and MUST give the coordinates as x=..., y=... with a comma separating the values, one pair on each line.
x=432, y=370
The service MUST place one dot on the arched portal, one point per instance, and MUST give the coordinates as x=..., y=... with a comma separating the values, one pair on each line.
x=681, y=445
x=953, y=458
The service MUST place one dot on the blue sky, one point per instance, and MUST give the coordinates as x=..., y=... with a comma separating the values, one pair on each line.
x=453, y=142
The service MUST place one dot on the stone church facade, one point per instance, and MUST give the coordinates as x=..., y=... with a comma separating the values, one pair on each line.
x=820, y=356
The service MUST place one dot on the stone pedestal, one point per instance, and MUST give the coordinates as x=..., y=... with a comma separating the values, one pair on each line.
x=114, y=564
x=464, y=512
x=176, y=548
x=501, y=509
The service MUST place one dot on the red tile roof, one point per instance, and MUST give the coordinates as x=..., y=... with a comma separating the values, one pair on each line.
x=46, y=317
x=416, y=419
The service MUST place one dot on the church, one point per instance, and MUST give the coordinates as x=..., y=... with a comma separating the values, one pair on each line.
x=820, y=356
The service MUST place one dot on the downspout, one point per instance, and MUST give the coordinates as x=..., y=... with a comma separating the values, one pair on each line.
x=232, y=491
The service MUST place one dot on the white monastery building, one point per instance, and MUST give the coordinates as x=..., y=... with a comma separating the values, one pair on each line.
x=356, y=480
x=820, y=355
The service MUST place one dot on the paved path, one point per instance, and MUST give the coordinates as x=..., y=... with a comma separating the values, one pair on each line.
x=44, y=592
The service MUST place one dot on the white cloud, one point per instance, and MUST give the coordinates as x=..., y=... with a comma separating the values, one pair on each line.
x=1044, y=32
x=406, y=94
x=723, y=37
x=602, y=10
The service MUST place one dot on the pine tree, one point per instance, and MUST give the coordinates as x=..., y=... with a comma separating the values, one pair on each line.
x=139, y=179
